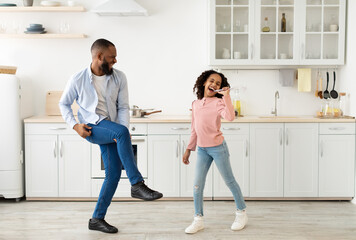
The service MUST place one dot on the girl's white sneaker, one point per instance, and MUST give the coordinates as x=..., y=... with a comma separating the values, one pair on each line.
x=240, y=220
x=197, y=225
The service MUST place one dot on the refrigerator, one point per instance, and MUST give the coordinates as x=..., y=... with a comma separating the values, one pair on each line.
x=11, y=153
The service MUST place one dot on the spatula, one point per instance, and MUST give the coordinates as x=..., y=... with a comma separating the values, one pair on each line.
x=333, y=93
x=326, y=92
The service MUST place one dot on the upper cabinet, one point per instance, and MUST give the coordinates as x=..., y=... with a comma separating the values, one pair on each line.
x=276, y=32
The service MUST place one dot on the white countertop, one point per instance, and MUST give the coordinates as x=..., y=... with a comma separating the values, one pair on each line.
x=160, y=118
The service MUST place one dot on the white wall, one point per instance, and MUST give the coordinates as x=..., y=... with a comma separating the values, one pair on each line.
x=162, y=55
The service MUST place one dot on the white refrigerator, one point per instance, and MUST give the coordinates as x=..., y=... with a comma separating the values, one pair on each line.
x=11, y=154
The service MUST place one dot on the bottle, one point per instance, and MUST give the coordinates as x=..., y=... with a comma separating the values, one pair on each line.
x=266, y=27
x=342, y=104
x=283, y=23
x=236, y=102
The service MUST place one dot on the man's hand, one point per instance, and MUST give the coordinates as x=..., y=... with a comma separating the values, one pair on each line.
x=186, y=157
x=82, y=129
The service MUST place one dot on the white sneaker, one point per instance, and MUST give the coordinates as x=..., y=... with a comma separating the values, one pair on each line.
x=197, y=225
x=240, y=220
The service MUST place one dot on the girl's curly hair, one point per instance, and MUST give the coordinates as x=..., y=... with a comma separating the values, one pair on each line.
x=199, y=84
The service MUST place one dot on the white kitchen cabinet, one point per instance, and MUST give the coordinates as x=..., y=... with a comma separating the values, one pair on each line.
x=315, y=32
x=57, y=162
x=301, y=160
x=266, y=159
x=337, y=160
x=237, y=140
x=167, y=173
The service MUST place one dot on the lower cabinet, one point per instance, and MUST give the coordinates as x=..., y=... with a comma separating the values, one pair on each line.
x=237, y=140
x=57, y=162
x=337, y=160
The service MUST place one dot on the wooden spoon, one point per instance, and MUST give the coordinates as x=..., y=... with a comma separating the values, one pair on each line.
x=320, y=93
x=317, y=88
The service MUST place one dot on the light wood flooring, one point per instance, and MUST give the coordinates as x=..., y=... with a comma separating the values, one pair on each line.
x=168, y=219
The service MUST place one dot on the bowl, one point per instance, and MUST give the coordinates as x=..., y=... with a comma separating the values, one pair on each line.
x=30, y=29
x=35, y=25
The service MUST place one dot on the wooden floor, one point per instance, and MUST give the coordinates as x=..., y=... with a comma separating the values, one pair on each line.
x=168, y=219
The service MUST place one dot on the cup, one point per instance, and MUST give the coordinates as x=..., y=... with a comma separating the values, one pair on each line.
x=246, y=28
x=283, y=55
x=237, y=55
x=27, y=3
x=333, y=28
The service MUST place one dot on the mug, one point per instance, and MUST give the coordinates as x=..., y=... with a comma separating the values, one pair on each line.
x=237, y=55
x=333, y=28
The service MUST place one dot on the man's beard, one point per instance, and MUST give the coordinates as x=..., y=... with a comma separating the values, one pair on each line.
x=105, y=68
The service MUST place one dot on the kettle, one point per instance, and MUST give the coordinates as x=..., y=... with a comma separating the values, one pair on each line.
x=225, y=53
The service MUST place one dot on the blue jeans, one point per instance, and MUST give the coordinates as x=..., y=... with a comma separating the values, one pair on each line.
x=114, y=156
x=205, y=156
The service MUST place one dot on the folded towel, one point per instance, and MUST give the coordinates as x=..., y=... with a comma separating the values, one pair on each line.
x=286, y=77
x=304, y=80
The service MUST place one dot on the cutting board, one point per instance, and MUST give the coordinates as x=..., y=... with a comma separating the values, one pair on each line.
x=52, y=100
x=8, y=69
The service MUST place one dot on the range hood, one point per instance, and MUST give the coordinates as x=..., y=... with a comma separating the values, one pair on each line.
x=120, y=8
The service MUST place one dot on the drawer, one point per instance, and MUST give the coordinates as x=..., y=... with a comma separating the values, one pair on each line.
x=235, y=128
x=169, y=128
x=337, y=128
x=138, y=128
x=48, y=128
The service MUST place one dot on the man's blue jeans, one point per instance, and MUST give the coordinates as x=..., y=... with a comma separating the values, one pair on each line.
x=114, y=156
x=220, y=155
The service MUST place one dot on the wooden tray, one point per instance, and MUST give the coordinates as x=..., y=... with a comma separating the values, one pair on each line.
x=52, y=100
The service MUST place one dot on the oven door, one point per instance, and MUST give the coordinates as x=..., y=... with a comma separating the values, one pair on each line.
x=139, y=146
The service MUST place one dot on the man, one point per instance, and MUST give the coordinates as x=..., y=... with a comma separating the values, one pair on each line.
x=102, y=95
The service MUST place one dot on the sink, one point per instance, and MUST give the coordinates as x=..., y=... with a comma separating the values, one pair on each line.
x=277, y=116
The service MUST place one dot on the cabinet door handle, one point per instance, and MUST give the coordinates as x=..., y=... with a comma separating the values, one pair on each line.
x=179, y=128
x=321, y=148
x=57, y=128
x=287, y=137
x=336, y=128
x=61, y=149
x=183, y=147
x=177, y=149
x=280, y=137
x=231, y=128
x=54, y=149
x=246, y=148
x=302, y=52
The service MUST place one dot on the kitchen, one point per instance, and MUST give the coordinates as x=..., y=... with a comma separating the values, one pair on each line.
x=170, y=47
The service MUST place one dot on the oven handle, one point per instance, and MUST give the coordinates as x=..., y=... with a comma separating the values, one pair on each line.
x=138, y=140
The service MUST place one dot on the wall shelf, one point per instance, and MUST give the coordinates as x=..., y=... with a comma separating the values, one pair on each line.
x=43, y=9
x=43, y=36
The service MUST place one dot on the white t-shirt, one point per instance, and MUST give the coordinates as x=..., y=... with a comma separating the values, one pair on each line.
x=100, y=87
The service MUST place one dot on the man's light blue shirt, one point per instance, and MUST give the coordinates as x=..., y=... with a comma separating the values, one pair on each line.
x=81, y=89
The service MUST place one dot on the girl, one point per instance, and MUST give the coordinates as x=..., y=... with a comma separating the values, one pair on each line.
x=207, y=111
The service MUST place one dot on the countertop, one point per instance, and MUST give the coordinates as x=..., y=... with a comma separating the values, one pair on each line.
x=160, y=118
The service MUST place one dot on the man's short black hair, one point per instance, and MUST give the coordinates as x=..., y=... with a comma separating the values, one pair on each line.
x=101, y=43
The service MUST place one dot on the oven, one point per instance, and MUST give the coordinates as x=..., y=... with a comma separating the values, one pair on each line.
x=139, y=146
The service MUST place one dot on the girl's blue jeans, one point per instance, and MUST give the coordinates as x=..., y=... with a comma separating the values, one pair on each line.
x=220, y=155
x=114, y=156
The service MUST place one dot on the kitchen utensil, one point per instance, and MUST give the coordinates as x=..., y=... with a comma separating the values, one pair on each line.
x=326, y=92
x=7, y=5
x=333, y=93
x=220, y=90
x=137, y=112
x=320, y=93
x=317, y=85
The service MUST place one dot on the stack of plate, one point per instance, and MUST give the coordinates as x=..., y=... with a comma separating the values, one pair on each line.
x=7, y=5
x=35, y=28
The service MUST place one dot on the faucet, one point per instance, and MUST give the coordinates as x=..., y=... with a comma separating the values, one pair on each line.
x=276, y=95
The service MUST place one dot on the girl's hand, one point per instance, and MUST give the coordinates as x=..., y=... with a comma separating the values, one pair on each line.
x=225, y=92
x=186, y=157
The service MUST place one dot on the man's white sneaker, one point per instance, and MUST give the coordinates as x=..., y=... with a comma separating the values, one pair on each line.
x=197, y=225
x=240, y=220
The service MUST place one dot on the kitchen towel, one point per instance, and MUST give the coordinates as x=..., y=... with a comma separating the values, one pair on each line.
x=286, y=77
x=304, y=79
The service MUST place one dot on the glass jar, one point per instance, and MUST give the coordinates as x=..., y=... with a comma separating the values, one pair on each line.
x=236, y=102
x=343, y=104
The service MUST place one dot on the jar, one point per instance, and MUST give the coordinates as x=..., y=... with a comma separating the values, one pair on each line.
x=327, y=108
x=343, y=104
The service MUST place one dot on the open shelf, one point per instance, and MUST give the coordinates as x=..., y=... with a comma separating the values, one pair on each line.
x=43, y=9
x=43, y=36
